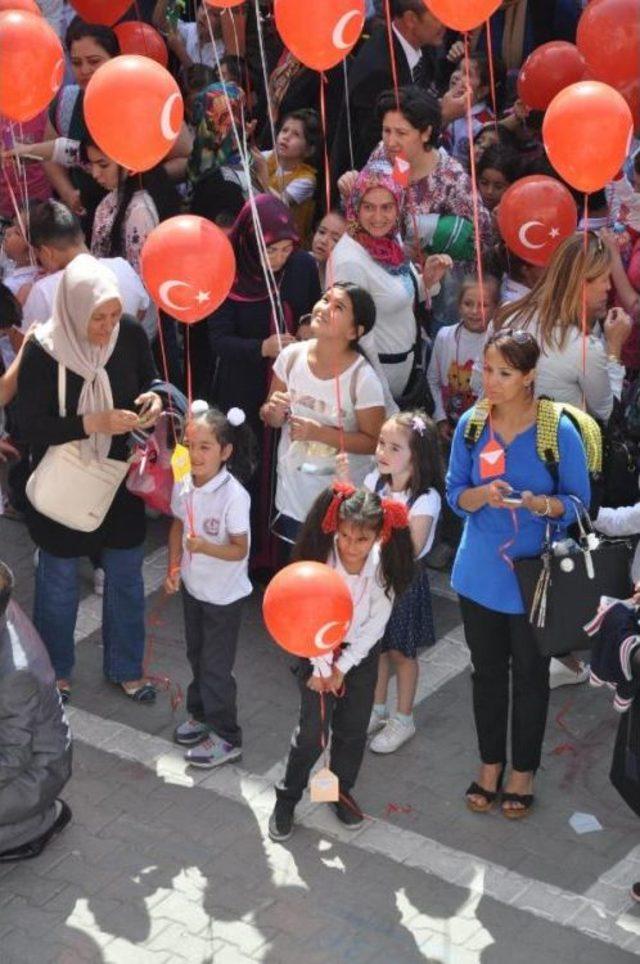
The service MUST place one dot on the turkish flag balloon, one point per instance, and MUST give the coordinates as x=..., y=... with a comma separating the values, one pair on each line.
x=29, y=5
x=134, y=111
x=101, y=11
x=31, y=64
x=308, y=608
x=136, y=37
x=320, y=35
x=587, y=132
x=547, y=71
x=608, y=37
x=535, y=214
x=188, y=266
x=223, y=3
x=462, y=14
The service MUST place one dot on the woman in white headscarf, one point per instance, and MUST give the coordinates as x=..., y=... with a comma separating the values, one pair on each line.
x=109, y=372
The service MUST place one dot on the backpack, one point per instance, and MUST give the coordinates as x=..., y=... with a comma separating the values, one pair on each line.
x=548, y=422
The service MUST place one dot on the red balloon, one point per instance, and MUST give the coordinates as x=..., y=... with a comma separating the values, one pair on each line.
x=31, y=64
x=547, y=71
x=136, y=37
x=29, y=5
x=308, y=608
x=134, y=111
x=587, y=132
x=188, y=266
x=323, y=36
x=101, y=11
x=462, y=14
x=224, y=3
x=535, y=215
x=609, y=39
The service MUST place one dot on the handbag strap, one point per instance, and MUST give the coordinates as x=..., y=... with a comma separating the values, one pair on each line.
x=62, y=390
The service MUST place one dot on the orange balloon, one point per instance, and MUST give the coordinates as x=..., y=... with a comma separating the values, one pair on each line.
x=608, y=37
x=323, y=35
x=134, y=111
x=462, y=14
x=136, y=37
x=188, y=266
x=535, y=215
x=31, y=64
x=225, y=4
x=547, y=71
x=587, y=132
x=308, y=608
x=29, y=5
x=101, y=11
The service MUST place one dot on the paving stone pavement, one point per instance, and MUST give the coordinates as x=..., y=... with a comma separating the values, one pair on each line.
x=163, y=863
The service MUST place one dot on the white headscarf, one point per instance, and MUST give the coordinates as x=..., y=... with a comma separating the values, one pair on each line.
x=85, y=285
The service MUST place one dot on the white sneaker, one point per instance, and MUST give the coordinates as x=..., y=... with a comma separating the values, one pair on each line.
x=376, y=722
x=392, y=736
x=561, y=675
x=98, y=582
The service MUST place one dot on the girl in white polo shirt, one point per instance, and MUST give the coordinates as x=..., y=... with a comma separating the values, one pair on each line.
x=209, y=551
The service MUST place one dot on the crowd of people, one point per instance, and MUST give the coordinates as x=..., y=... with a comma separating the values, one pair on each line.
x=365, y=396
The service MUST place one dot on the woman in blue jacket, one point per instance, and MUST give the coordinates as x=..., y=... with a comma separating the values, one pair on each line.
x=503, y=462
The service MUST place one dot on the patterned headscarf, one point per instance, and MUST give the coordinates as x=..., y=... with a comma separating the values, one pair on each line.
x=277, y=225
x=215, y=144
x=386, y=251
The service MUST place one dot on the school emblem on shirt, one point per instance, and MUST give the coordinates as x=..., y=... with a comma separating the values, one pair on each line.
x=211, y=527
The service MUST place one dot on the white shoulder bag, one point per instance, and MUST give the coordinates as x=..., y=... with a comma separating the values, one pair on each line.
x=72, y=492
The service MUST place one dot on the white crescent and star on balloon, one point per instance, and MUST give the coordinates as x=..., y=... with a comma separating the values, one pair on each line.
x=338, y=31
x=523, y=232
x=319, y=638
x=165, y=292
x=165, y=117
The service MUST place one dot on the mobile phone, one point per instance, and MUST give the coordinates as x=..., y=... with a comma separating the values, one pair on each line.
x=513, y=498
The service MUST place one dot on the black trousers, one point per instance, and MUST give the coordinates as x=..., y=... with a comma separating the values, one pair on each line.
x=500, y=642
x=212, y=639
x=347, y=716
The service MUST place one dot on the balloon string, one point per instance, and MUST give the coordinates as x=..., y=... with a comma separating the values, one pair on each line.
x=348, y=106
x=263, y=63
x=585, y=247
x=474, y=188
x=492, y=78
x=161, y=680
x=325, y=152
x=392, y=52
x=143, y=31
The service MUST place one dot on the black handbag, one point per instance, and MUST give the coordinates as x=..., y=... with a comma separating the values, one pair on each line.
x=562, y=592
x=417, y=392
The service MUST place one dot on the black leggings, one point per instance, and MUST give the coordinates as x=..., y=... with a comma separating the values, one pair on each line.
x=499, y=642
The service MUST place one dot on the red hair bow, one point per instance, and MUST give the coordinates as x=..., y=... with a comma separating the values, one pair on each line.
x=395, y=516
x=341, y=491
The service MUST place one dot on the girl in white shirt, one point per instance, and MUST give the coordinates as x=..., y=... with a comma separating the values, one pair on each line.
x=409, y=472
x=366, y=539
x=208, y=553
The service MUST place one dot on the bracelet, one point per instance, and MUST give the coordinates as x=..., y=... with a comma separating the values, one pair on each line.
x=547, y=508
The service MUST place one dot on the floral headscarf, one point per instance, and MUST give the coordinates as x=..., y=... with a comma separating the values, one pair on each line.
x=386, y=251
x=215, y=143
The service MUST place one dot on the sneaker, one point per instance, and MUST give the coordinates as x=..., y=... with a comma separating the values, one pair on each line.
x=190, y=733
x=376, y=722
x=394, y=734
x=212, y=752
x=561, y=675
x=348, y=812
x=98, y=582
x=281, y=821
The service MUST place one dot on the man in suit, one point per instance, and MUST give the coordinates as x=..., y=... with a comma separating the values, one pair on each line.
x=417, y=33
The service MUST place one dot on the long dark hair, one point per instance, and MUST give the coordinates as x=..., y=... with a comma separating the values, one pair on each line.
x=155, y=182
x=243, y=460
x=427, y=469
x=363, y=509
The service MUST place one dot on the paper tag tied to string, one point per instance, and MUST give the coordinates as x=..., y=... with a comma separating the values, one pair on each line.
x=180, y=463
x=324, y=787
x=492, y=460
x=401, y=170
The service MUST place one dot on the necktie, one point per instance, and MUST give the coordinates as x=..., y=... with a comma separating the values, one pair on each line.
x=419, y=73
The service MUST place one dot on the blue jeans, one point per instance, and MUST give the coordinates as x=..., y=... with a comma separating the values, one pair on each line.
x=55, y=612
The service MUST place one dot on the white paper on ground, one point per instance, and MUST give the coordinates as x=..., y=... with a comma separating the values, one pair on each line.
x=585, y=823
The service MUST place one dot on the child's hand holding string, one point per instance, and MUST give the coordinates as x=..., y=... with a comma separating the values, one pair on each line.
x=342, y=467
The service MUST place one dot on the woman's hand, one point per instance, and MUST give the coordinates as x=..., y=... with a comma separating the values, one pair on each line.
x=617, y=328
x=303, y=429
x=115, y=421
x=496, y=492
x=317, y=684
x=72, y=199
x=346, y=183
x=272, y=345
x=435, y=268
x=456, y=52
x=150, y=409
x=260, y=167
x=172, y=581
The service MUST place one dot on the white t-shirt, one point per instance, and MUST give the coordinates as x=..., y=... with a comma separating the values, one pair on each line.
x=197, y=52
x=218, y=509
x=39, y=303
x=455, y=351
x=429, y=503
x=305, y=469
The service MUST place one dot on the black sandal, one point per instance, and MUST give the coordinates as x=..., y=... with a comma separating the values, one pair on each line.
x=64, y=692
x=489, y=796
x=525, y=801
x=142, y=694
